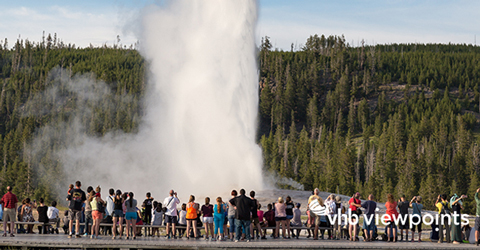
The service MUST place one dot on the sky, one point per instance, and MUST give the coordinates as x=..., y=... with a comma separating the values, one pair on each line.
x=285, y=22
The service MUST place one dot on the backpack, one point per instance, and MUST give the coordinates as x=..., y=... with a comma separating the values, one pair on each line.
x=445, y=209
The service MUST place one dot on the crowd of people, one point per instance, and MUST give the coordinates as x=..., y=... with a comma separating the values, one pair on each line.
x=239, y=218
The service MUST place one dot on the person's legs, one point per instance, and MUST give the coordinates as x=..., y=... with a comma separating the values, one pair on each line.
x=287, y=222
x=238, y=229
x=221, y=224
x=167, y=218
x=394, y=230
x=114, y=226
x=5, y=226
x=216, y=222
x=231, y=222
x=277, y=228
x=134, y=227
x=284, y=227
x=246, y=224
x=189, y=223
x=206, y=227
x=440, y=233
x=211, y=229
x=195, y=228
x=447, y=232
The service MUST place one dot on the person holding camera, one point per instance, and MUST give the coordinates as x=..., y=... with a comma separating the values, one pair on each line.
x=456, y=205
x=442, y=206
x=171, y=203
x=415, y=203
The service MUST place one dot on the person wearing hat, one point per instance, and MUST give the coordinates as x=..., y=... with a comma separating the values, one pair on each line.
x=297, y=220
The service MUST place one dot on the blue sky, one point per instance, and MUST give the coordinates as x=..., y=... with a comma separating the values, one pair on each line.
x=285, y=22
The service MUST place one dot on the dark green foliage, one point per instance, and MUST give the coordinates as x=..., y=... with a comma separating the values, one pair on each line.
x=24, y=75
x=398, y=118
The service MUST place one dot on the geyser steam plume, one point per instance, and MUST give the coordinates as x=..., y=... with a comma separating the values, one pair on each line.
x=198, y=132
x=204, y=98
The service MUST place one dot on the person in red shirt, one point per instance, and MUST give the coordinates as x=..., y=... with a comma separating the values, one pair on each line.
x=392, y=213
x=355, y=205
x=9, y=202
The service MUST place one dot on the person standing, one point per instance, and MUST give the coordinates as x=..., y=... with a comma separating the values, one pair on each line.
x=9, y=203
x=355, y=205
x=192, y=214
x=404, y=222
x=96, y=203
x=171, y=203
x=369, y=227
x=255, y=219
x=477, y=218
x=218, y=218
x=392, y=213
x=110, y=208
x=315, y=218
x=148, y=211
x=231, y=215
x=417, y=206
x=207, y=212
x=243, y=206
x=456, y=205
x=87, y=212
x=117, y=213
x=442, y=206
x=131, y=215
x=76, y=197
x=289, y=206
x=280, y=217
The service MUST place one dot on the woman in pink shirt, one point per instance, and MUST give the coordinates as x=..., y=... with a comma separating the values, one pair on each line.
x=280, y=217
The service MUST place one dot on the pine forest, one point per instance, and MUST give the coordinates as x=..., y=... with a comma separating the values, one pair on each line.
x=393, y=118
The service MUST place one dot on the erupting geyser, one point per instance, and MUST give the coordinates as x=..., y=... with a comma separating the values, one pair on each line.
x=201, y=103
x=203, y=98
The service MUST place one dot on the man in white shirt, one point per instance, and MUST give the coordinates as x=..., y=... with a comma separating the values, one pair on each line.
x=53, y=217
x=170, y=204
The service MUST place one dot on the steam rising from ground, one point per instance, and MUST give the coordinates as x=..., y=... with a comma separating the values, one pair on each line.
x=198, y=134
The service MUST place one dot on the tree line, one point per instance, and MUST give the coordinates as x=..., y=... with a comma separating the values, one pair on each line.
x=393, y=118
x=398, y=118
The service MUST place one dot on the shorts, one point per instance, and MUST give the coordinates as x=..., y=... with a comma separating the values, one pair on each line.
x=405, y=225
x=289, y=217
x=391, y=224
x=316, y=219
x=477, y=223
x=280, y=218
x=117, y=213
x=208, y=220
x=170, y=219
x=75, y=214
x=9, y=214
x=96, y=215
x=130, y=215
x=255, y=221
x=225, y=221
x=416, y=220
x=369, y=227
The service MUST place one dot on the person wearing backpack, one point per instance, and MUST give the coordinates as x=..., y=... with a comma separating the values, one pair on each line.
x=442, y=206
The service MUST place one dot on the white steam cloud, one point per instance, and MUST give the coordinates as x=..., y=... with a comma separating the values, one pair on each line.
x=198, y=132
